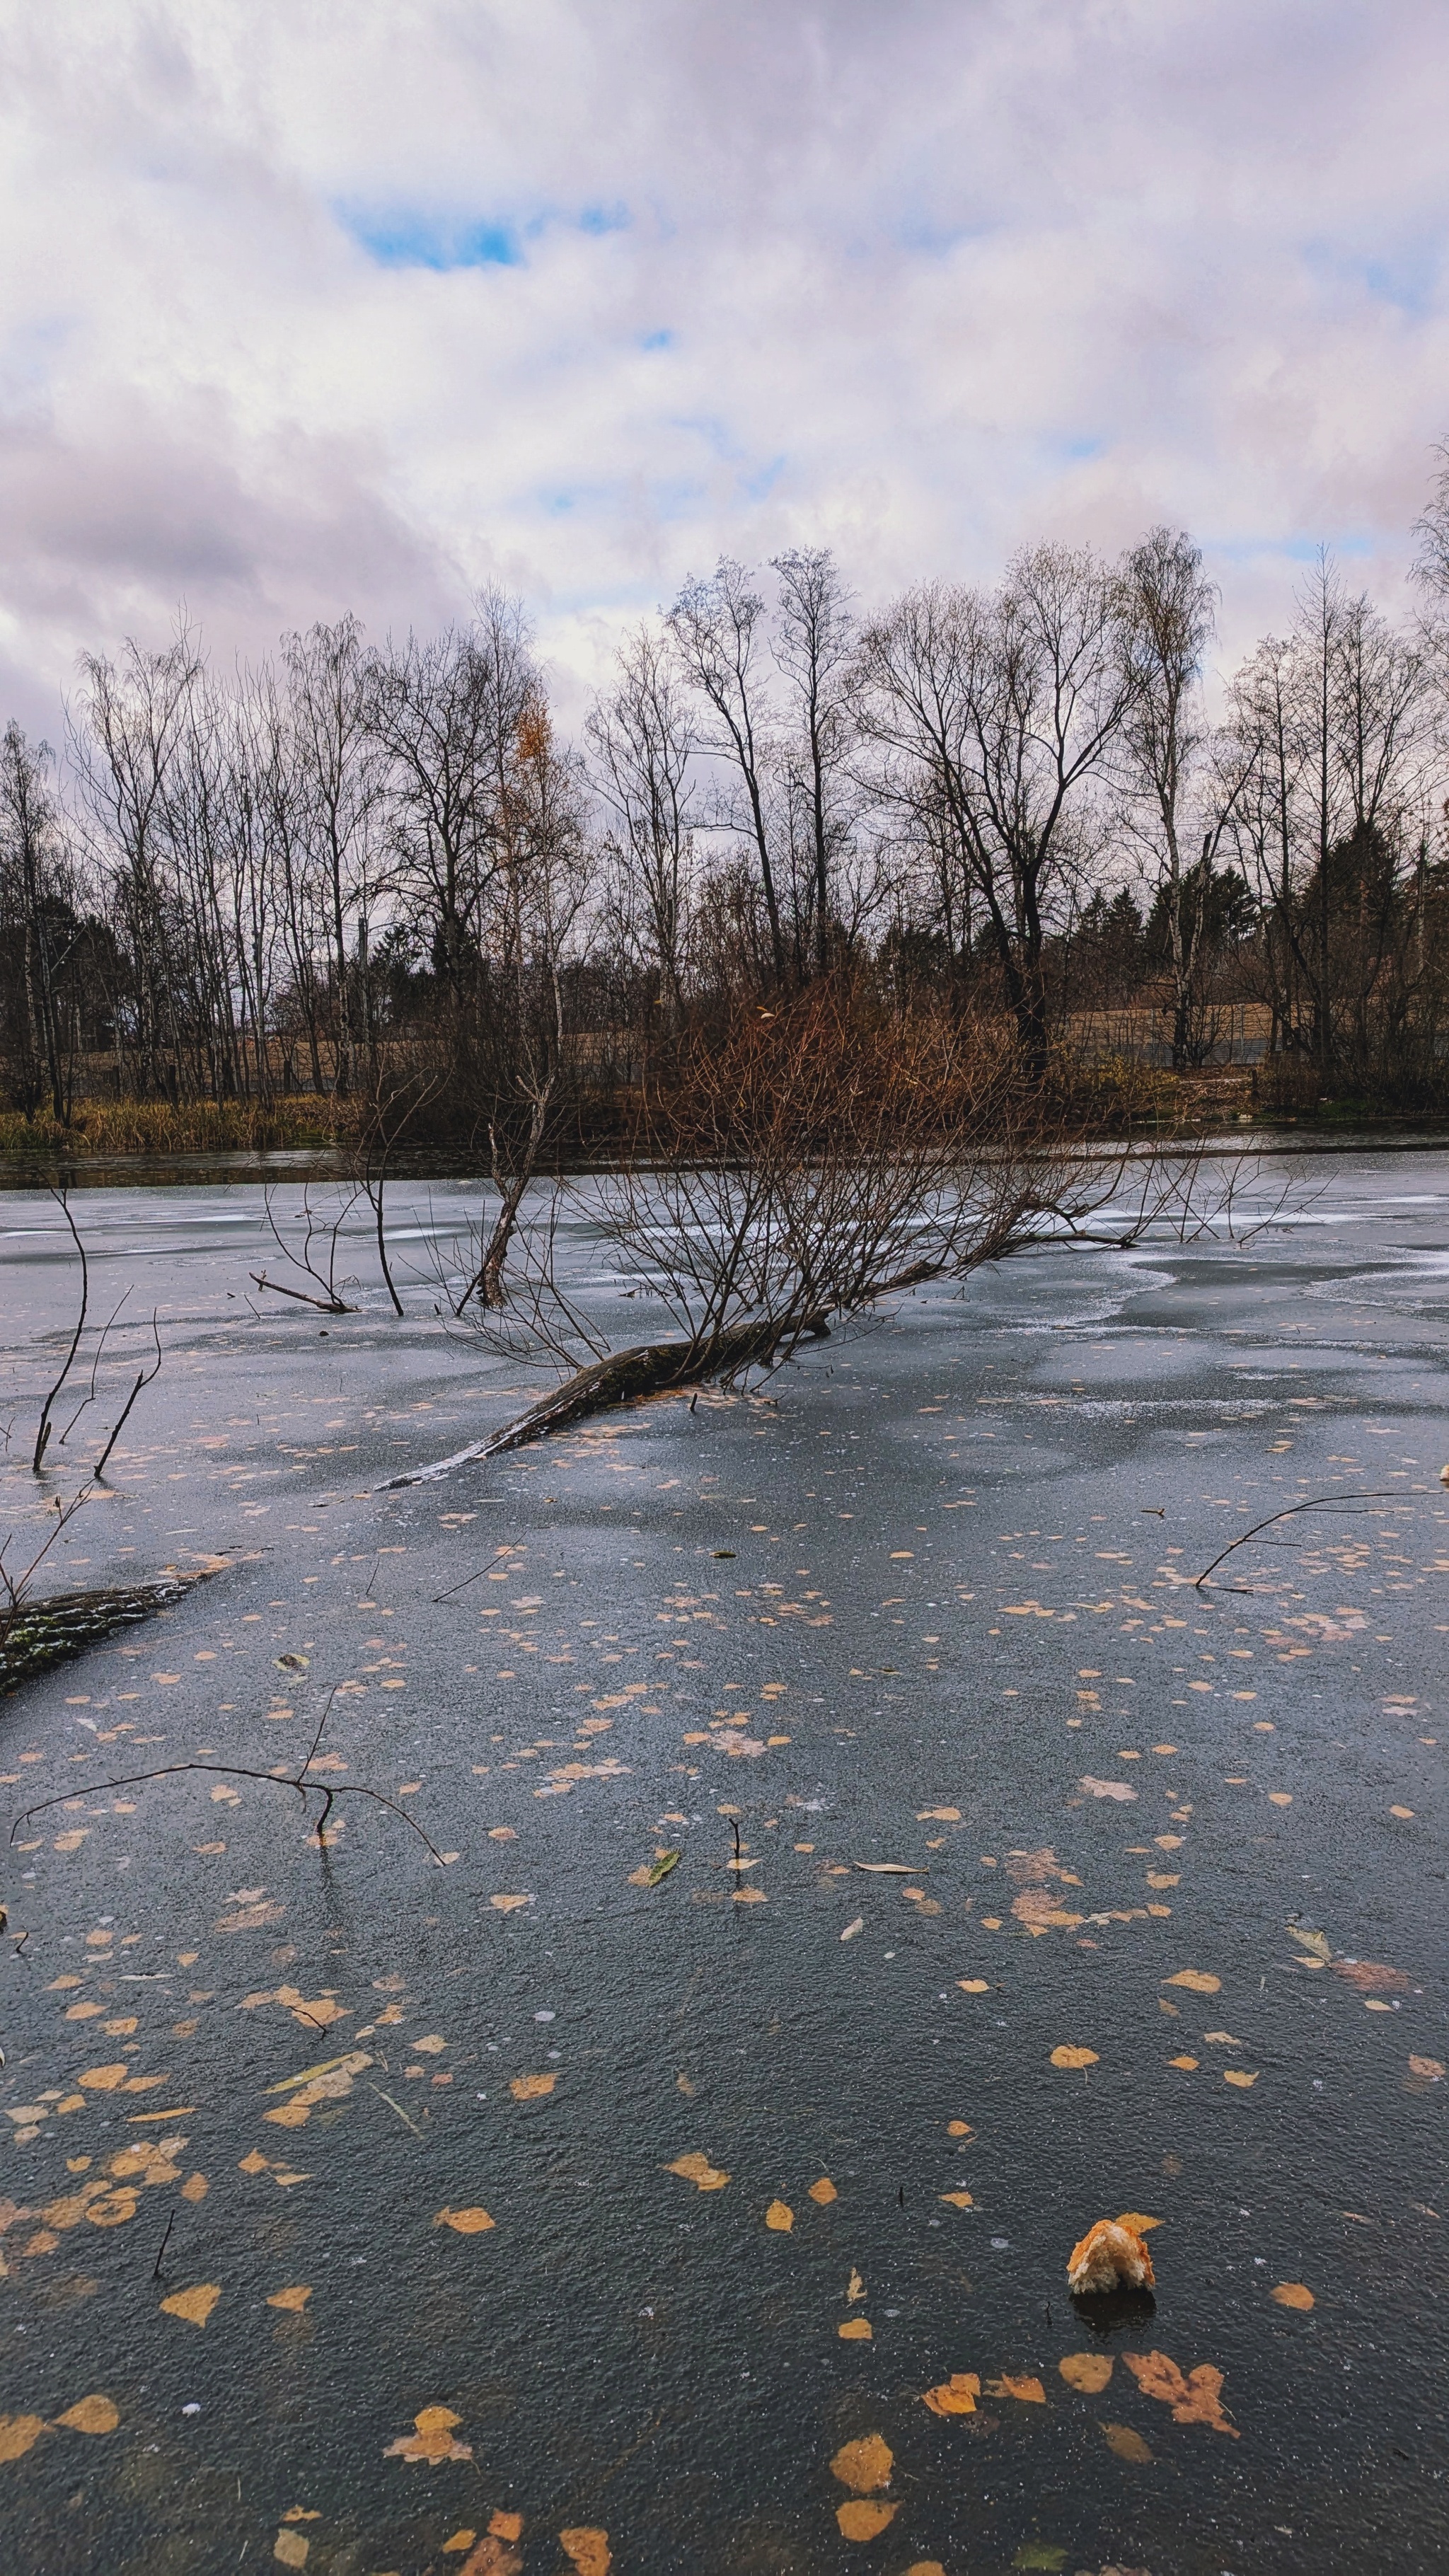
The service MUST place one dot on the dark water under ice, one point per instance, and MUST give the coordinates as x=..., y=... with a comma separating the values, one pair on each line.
x=1088, y=1775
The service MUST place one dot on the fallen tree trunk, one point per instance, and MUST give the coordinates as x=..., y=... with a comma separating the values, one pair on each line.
x=654, y=1368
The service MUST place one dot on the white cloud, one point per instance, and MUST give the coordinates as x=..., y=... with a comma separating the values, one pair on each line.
x=360, y=305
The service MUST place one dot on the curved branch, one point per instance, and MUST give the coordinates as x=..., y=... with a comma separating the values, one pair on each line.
x=1316, y=1503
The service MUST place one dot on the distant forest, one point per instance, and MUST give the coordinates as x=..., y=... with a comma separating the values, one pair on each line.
x=376, y=874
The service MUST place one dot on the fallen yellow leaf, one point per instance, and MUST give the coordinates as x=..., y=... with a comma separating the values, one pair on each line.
x=955, y=2396
x=290, y=2549
x=1195, y=1981
x=1236, y=2075
x=855, y=2330
x=431, y=2439
x=464, y=2222
x=102, y=2079
x=1138, y=2221
x=194, y=2305
x=460, y=2540
x=1074, y=2057
x=531, y=2088
x=939, y=1816
x=508, y=1904
x=1193, y=2399
x=959, y=2199
x=697, y=2168
x=112, y=2209
x=973, y=1985
x=1087, y=2372
x=864, y=2521
x=864, y=2465
x=18, y=2433
x=780, y=2217
x=958, y=2128
x=91, y=2415
x=588, y=2551
x=1188, y=2064
x=1292, y=2294
x=1128, y=2444
x=1030, y=2391
x=823, y=2191
x=293, y=2300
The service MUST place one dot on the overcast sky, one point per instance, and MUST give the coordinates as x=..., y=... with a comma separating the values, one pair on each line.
x=316, y=304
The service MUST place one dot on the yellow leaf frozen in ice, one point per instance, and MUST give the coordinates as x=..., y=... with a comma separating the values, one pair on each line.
x=195, y=2306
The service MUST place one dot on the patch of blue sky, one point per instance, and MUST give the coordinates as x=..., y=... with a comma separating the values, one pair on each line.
x=603, y=219
x=664, y=499
x=1408, y=275
x=1075, y=450
x=1341, y=543
x=759, y=482
x=658, y=339
x=411, y=237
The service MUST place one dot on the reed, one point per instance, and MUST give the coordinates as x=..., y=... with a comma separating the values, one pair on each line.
x=192, y=1127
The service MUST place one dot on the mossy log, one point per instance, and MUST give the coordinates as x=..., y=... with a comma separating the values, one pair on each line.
x=41, y=1633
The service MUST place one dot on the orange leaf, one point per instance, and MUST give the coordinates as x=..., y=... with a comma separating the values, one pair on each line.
x=1195, y=1981
x=955, y=2396
x=90, y=2415
x=464, y=2222
x=823, y=2191
x=698, y=2169
x=864, y=2464
x=779, y=2217
x=854, y=2330
x=1030, y=2391
x=1128, y=2444
x=861, y=2520
x=17, y=2433
x=531, y=2088
x=1074, y=2057
x=959, y=2199
x=588, y=2550
x=431, y=2440
x=1194, y=2399
x=1088, y=2372
x=1292, y=2294
x=195, y=2306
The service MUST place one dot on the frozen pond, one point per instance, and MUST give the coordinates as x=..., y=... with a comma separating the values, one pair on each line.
x=647, y=2224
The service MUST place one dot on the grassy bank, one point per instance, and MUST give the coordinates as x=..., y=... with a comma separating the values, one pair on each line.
x=196, y=1127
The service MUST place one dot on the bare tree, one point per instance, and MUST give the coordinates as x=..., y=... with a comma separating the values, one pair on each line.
x=814, y=647
x=998, y=711
x=815, y=1161
x=132, y=724
x=446, y=712
x=641, y=739
x=1178, y=802
x=718, y=631
x=37, y=911
x=332, y=742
